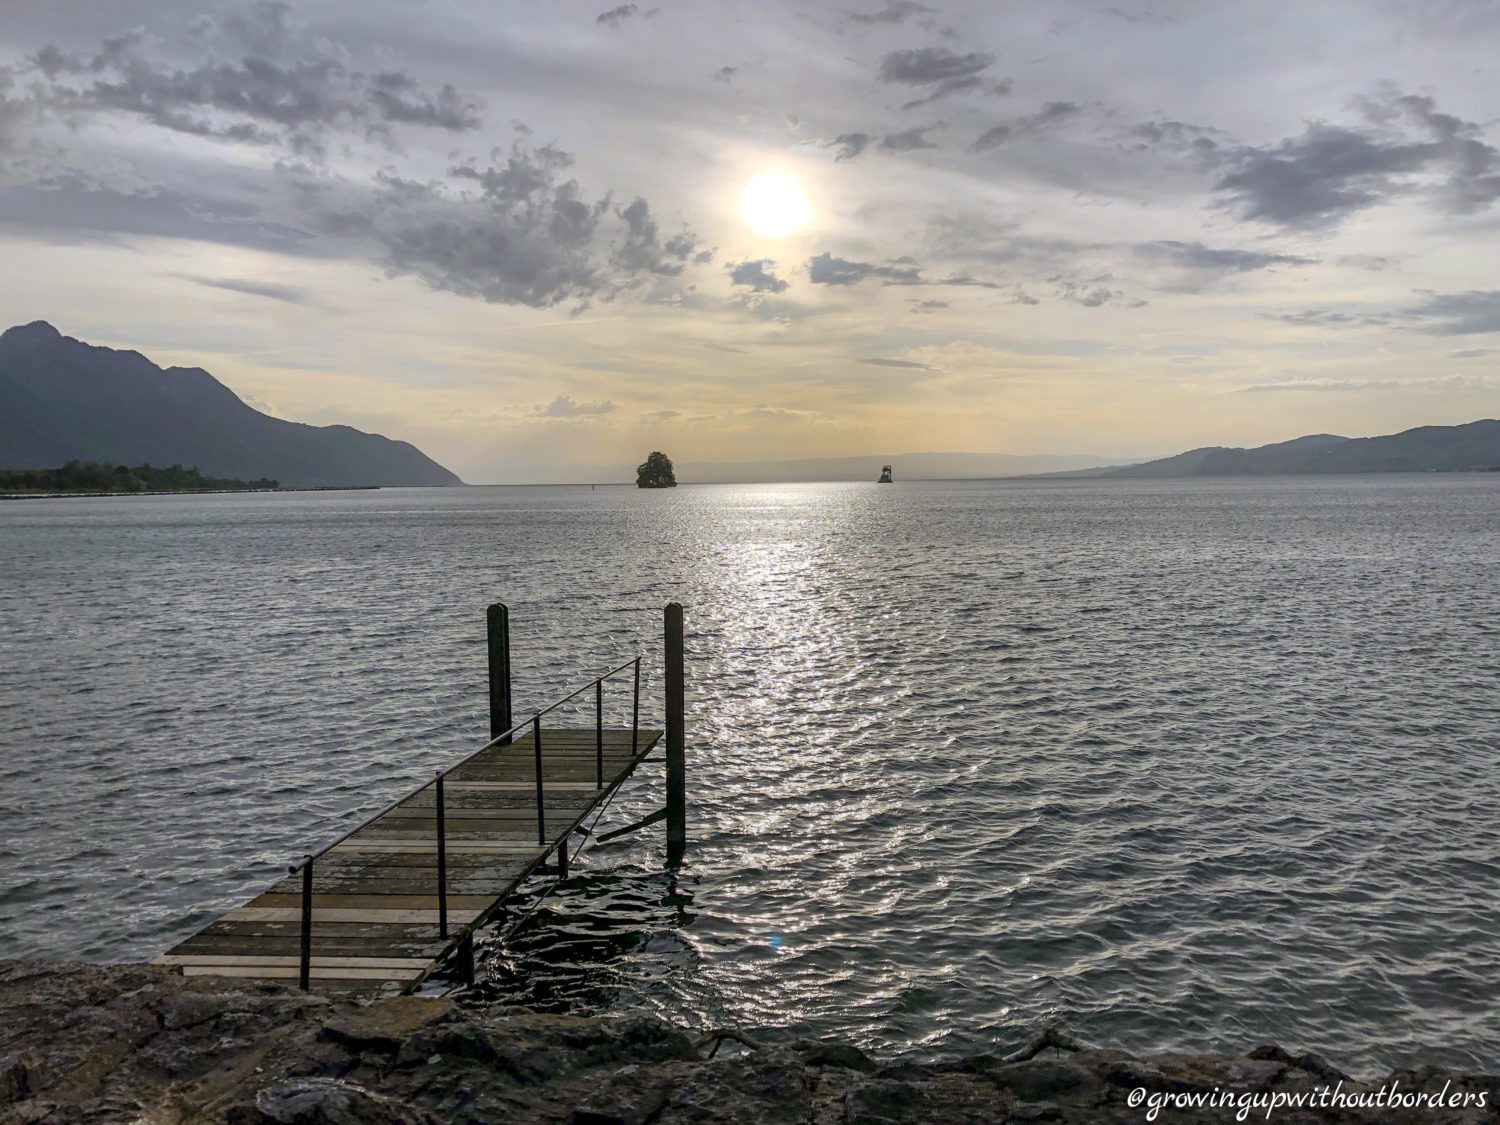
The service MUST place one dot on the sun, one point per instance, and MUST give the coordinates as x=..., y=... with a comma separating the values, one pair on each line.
x=774, y=204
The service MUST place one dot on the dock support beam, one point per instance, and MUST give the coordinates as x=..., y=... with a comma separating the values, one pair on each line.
x=498, y=621
x=676, y=739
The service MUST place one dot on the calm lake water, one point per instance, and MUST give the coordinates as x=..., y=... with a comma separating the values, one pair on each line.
x=1178, y=763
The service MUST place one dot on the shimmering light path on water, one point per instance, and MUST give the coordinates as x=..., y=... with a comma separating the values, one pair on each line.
x=1181, y=763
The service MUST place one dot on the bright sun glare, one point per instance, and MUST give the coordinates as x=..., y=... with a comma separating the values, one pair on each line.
x=774, y=204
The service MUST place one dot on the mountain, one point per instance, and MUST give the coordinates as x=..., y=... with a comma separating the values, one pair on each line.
x=1426, y=449
x=64, y=400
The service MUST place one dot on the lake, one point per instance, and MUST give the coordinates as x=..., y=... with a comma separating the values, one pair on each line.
x=1181, y=764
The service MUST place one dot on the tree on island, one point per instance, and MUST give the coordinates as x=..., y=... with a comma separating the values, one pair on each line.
x=655, y=472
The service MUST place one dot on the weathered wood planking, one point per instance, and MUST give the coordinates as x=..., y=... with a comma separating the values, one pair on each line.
x=375, y=900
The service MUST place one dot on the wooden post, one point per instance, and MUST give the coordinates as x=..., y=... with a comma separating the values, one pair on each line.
x=562, y=858
x=442, y=863
x=464, y=957
x=498, y=621
x=304, y=968
x=676, y=765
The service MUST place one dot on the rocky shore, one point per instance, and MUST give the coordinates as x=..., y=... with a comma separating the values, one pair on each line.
x=101, y=1043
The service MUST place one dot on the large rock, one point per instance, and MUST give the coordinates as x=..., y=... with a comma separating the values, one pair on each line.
x=97, y=1043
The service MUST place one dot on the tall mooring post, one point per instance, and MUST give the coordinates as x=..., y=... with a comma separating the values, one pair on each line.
x=498, y=621
x=676, y=738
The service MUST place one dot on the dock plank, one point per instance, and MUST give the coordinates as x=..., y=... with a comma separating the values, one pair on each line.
x=375, y=920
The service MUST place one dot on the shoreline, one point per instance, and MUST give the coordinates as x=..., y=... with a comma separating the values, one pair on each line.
x=109, y=1043
x=185, y=492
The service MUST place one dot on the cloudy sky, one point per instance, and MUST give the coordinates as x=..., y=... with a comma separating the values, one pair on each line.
x=511, y=232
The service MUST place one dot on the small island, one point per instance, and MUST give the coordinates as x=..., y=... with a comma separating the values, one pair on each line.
x=655, y=472
x=94, y=477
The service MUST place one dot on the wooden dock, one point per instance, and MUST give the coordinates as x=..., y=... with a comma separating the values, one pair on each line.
x=380, y=909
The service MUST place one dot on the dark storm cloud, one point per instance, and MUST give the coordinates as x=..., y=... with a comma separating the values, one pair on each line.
x=877, y=361
x=1196, y=256
x=286, y=293
x=757, y=274
x=942, y=71
x=262, y=83
x=616, y=16
x=1457, y=314
x=1053, y=113
x=825, y=269
x=1330, y=172
x=850, y=146
x=909, y=140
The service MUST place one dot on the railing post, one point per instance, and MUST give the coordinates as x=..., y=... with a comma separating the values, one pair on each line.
x=635, y=714
x=541, y=808
x=676, y=764
x=599, y=732
x=442, y=863
x=304, y=975
x=562, y=858
x=497, y=620
x=465, y=958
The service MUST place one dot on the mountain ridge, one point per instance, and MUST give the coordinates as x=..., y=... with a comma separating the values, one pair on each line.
x=62, y=399
x=1468, y=446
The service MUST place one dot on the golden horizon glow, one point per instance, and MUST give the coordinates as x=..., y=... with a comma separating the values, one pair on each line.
x=773, y=204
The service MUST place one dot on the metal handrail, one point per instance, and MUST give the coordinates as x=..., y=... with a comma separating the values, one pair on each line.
x=305, y=865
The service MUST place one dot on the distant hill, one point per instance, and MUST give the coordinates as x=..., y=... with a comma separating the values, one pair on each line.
x=1426, y=449
x=63, y=400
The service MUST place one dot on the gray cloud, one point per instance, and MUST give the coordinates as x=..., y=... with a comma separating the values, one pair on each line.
x=909, y=140
x=265, y=83
x=894, y=12
x=756, y=273
x=1173, y=136
x=1458, y=314
x=563, y=406
x=1091, y=293
x=643, y=251
x=616, y=16
x=726, y=73
x=1321, y=385
x=850, y=146
x=1196, y=256
x=1328, y=318
x=528, y=237
x=876, y=361
x=286, y=293
x=928, y=306
x=944, y=72
x=1473, y=353
x=825, y=269
x=1053, y=113
x=1330, y=172
x=1372, y=262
